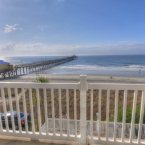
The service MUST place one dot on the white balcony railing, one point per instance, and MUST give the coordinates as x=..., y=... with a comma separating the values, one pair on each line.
x=84, y=112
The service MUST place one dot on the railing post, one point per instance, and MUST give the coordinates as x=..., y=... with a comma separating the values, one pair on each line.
x=83, y=125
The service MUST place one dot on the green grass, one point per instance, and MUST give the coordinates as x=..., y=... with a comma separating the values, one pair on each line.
x=41, y=79
x=129, y=114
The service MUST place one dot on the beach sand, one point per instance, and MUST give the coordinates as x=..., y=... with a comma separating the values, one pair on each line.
x=76, y=78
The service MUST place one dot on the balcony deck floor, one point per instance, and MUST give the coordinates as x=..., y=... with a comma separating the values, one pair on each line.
x=21, y=142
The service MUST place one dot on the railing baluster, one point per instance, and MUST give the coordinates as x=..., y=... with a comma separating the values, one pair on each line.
x=53, y=110
x=32, y=110
x=107, y=113
x=1, y=126
x=5, y=109
x=11, y=109
x=67, y=107
x=38, y=109
x=60, y=112
x=115, y=114
x=45, y=109
x=91, y=117
x=99, y=116
x=25, y=111
x=75, y=112
x=141, y=116
x=133, y=115
x=124, y=115
x=18, y=110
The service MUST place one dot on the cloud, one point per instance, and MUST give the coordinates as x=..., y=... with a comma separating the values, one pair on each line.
x=11, y=28
x=120, y=48
x=37, y=48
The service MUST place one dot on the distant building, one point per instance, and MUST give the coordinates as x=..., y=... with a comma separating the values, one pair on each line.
x=5, y=66
x=3, y=62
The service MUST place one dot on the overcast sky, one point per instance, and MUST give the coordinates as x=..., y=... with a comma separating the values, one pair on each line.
x=66, y=27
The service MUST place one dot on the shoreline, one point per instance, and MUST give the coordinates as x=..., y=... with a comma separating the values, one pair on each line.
x=75, y=78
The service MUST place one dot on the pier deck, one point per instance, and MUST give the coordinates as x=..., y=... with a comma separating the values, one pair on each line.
x=24, y=69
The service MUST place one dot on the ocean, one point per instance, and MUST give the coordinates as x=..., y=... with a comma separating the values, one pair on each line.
x=116, y=65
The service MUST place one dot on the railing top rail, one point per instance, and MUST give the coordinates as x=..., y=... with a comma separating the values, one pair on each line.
x=117, y=86
x=39, y=85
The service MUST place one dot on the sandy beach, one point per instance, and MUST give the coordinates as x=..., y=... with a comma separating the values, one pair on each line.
x=75, y=78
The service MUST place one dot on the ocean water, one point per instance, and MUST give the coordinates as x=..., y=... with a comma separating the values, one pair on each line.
x=117, y=65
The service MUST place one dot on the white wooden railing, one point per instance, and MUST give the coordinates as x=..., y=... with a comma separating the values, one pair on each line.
x=84, y=112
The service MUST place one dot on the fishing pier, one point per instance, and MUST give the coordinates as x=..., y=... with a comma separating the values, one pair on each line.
x=24, y=69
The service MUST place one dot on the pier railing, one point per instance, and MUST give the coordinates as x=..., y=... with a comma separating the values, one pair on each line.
x=107, y=113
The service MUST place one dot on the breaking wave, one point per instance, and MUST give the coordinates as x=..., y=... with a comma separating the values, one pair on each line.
x=99, y=67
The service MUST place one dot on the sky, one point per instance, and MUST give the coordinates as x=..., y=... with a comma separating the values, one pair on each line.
x=66, y=27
